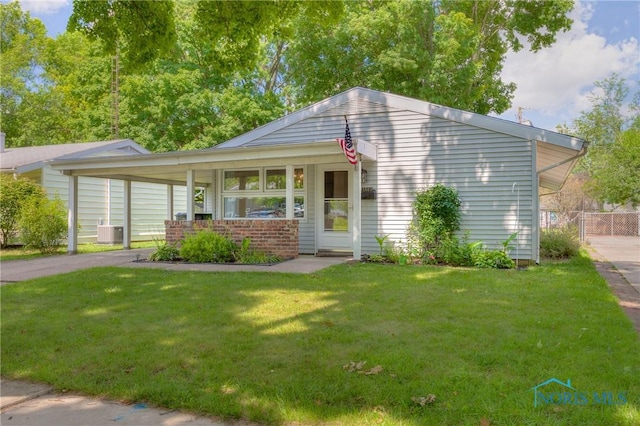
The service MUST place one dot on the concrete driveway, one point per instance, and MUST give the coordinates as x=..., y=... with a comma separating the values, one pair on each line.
x=622, y=252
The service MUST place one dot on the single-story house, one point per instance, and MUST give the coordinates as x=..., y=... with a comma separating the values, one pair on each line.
x=289, y=181
x=101, y=212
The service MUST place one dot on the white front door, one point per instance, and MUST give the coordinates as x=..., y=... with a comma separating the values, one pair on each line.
x=335, y=209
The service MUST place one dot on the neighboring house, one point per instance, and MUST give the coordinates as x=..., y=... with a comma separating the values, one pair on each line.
x=292, y=170
x=101, y=209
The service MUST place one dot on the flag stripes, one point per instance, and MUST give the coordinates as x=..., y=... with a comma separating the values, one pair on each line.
x=348, y=147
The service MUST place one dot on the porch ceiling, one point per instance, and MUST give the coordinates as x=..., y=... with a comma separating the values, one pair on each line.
x=171, y=168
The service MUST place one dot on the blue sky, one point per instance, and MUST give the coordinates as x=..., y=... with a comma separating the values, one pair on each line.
x=553, y=85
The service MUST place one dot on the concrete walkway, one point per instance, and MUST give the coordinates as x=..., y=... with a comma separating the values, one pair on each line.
x=21, y=270
x=623, y=253
x=30, y=404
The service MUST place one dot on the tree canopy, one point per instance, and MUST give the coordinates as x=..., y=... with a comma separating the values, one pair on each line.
x=613, y=158
x=195, y=73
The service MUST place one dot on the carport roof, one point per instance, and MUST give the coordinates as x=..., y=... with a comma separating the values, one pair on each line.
x=26, y=159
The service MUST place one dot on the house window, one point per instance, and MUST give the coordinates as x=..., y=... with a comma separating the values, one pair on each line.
x=242, y=180
x=267, y=199
x=277, y=179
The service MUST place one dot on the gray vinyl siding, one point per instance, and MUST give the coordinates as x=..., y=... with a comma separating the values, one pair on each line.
x=91, y=200
x=415, y=151
x=148, y=208
x=148, y=204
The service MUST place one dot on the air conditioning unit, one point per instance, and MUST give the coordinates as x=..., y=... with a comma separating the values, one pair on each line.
x=110, y=234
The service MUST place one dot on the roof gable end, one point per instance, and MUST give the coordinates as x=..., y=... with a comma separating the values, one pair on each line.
x=388, y=100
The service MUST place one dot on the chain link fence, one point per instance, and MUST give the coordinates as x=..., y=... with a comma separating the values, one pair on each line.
x=626, y=224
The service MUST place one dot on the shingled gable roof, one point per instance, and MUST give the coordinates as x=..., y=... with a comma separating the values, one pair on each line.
x=391, y=101
x=25, y=159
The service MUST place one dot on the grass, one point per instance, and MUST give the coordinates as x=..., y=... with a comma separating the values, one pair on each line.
x=15, y=253
x=271, y=347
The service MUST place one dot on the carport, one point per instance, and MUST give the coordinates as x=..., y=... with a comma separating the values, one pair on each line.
x=195, y=169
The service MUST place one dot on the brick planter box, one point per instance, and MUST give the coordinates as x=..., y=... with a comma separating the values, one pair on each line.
x=278, y=237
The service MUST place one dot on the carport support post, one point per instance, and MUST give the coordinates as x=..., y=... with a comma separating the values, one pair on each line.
x=72, y=216
x=169, y=202
x=356, y=182
x=191, y=187
x=126, y=229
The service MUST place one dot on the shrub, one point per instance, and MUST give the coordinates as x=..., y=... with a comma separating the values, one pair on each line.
x=458, y=253
x=43, y=224
x=165, y=252
x=496, y=259
x=437, y=215
x=14, y=193
x=245, y=254
x=207, y=246
x=393, y=253
x=559, y=243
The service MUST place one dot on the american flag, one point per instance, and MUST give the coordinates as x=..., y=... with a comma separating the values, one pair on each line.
x=347, y=146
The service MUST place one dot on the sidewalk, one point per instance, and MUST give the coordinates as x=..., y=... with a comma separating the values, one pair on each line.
x=30, y=404
x=617, y=259
x=621, y=252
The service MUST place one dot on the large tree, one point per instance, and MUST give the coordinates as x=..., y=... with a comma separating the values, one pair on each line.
x=22, y=44
x=616, y=173
x=195, y=73
x=448, y=51
x=52, y=90
x=613, y=129
x=141, y=30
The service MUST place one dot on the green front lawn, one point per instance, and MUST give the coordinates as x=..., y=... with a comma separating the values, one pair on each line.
x=272, y=347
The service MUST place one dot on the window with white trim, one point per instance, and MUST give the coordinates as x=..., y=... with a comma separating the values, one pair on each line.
x=261, y=193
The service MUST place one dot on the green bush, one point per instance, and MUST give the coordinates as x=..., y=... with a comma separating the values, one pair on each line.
x=437, y=216
x=165, y=252
x=559, y=243
x=207, y=247
x=43, y=224
x=457, y=253
x=14, y=193
x=245, y=254
x=495, y=259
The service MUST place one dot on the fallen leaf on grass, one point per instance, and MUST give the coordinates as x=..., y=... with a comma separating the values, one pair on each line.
x=354, y=366
x=358, y=367
x=375, y=370
x=424, y=400
x=485, y=422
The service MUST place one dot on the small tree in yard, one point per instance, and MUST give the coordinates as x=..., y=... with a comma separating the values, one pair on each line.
x=437, y=213
x=43, y=224
x=14, y=193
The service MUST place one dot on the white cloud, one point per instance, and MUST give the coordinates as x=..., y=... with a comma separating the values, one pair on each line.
x=556, y=82
x=44, y=7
